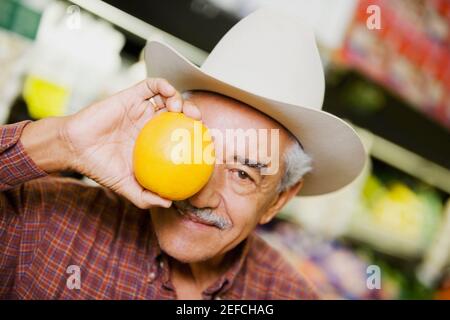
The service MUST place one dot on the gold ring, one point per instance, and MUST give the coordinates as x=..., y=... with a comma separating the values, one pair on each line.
x=155, y=105
x=152, y=101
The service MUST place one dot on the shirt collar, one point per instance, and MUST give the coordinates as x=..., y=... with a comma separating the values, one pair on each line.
x=238, y=254
x=159, y=261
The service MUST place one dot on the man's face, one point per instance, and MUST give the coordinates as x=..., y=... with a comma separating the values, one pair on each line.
x=238, y=195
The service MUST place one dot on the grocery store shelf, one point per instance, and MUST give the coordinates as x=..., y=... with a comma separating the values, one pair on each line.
x=139, y=27
x=407, y=161
x=438, y=254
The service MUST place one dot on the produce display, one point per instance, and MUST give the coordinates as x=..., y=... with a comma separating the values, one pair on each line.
x=409, y=54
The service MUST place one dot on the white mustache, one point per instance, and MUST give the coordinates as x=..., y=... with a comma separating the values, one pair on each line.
x=205, y=215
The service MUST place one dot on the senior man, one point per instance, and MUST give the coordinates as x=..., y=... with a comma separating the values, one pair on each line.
x=264, y=74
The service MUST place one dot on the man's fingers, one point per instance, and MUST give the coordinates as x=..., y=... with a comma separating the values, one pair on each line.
x=191, y=110
x=140, y=115
x=148, y=199
x=143, y=199
x=150, y=87
x=175, y=102
x=163, y=95
x=159, y=102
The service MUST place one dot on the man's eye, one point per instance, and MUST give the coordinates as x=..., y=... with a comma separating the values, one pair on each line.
x=243, y=175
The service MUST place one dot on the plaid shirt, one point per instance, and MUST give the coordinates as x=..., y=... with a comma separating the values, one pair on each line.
x=49, y=223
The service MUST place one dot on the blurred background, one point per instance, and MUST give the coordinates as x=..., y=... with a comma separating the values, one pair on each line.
x=387, y=235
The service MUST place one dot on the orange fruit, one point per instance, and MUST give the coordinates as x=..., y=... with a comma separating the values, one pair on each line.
x=173, y=156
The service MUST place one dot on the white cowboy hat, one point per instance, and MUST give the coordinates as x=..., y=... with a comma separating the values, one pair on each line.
x=270, y=61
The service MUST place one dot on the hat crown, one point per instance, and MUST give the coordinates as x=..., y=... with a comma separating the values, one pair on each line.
x=272, y=55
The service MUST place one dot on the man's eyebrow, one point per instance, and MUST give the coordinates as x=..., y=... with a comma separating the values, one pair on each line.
x=250, y=163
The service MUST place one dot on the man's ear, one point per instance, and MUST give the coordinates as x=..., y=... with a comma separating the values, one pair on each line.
x=279, y=202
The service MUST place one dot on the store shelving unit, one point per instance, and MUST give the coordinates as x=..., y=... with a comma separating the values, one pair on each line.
x=139, y=28
x=437, y=257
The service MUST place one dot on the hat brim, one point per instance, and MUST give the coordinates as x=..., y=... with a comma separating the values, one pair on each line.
x=336, y=150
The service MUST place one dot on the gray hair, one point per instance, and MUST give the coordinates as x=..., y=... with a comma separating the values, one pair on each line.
x=297, y=163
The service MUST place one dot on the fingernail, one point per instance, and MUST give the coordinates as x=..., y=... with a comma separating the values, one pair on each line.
x=166, y=204
x=198, y=114
x=176, y=105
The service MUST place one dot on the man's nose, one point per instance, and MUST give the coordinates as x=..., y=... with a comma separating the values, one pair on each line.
x=209, y=196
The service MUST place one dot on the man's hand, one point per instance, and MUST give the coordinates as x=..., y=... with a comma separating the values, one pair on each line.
x=98, y=141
